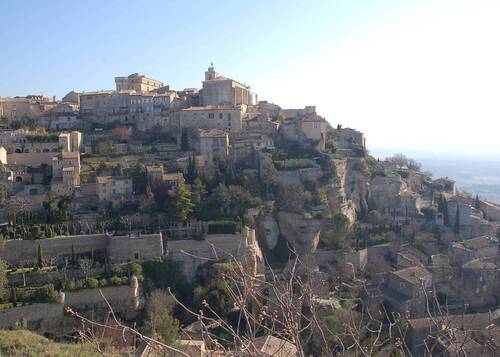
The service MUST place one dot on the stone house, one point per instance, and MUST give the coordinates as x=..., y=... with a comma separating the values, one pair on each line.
x=114, y=189
x=105, y=107
x=422, y=332
x=63, y=116
x=214, y=145
x=314, y=128
x=407, y=290
x=223, y=117
x=479, y=247
x=247, y=143
x=31, y=106
x=70, y=142
x=347, y=138
x=66, y=160
x=445, y=184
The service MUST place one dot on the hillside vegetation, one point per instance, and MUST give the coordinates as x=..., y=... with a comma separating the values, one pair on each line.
x=28, y=344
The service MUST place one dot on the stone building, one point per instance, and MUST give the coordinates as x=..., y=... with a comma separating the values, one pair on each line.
x=314, y=128
x=151, y=110
x=422, y=333
x=224, y=117
x=349, y=139
x=105, y=107
x=214, y=145
x=3, y=155
x=70, y=142
x=445, y=184
x=304, y=126
x=65, y=172
x=407, y=290
x=113, y=189
x=137, y=82
x=479, y=247
x=219, y=90
x=31, y=106
x=63, y=116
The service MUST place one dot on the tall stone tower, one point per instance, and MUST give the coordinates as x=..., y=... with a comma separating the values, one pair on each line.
x=210, y=74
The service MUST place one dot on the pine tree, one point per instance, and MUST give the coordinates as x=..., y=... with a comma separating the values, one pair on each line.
x=182, y=205
x=39, y=255
x=456, y=228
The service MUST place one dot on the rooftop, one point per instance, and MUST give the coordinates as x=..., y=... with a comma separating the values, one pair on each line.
x=212, y=133
x=414, y=275
x=212, y=107
x=477, y=243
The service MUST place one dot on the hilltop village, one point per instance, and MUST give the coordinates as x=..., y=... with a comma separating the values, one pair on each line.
x=162, y=203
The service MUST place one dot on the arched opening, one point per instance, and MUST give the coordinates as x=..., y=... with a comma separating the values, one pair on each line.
x=19, y=179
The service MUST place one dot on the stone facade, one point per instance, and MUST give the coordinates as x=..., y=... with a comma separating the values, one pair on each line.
x=113, y=189
x=222, y=117
x=214, y=145
x=137, y=82
x=219, y=90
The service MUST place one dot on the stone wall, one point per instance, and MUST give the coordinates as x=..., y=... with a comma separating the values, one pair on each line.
x=192, y=253
x=32, y=159
x=491, y=210
x=18, y=251
x=119, y=249
x=129, y=248
x=32, y=313
x=51, y=318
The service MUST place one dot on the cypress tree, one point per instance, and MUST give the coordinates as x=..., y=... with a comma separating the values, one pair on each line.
x=184, y=140
x=456, y=229
x=477, y=203
x=39, y=255
x=446, y=216
x=14, y=296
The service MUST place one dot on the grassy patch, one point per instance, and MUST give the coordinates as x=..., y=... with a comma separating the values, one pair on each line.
x=28, y=344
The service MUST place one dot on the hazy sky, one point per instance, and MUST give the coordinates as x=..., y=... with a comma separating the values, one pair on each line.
x=420, y=75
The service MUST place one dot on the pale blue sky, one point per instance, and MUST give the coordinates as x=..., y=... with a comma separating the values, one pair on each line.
x=419, y=75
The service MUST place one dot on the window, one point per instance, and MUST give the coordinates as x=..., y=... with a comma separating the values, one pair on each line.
x=211, y=115
x=229, y=116
x=136, y=256
x=220, y=115
x=316, y=125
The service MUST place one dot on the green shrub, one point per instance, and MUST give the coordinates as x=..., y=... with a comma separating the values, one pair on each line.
x=222, y=227
x=135, y=269
x=115, y=281
x=92, y=283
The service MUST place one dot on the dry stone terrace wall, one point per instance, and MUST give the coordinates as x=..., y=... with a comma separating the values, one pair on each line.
x=33, y=313
x=129, y=248
x=16, y=252
x=119, y=249
x=50, y=318
x=192, y=253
